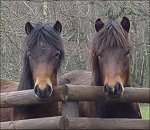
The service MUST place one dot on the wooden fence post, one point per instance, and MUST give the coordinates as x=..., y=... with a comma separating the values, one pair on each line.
x=70, y=108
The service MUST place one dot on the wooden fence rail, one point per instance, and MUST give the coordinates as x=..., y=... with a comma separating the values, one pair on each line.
x=73, y=93
x=57, y=122
x=75, y=123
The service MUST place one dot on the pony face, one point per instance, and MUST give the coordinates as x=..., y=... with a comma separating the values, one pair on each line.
x=112, y=52
x=44, y=63
x=45, y=53
x=115, y=70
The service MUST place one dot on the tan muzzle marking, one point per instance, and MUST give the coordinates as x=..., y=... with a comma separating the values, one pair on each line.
x=43, y=82
x=112, y=81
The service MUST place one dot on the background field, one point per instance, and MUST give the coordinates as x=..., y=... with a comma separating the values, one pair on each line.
x=145, y=110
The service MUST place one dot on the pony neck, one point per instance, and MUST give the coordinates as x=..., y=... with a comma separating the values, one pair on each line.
x=55, y=82
x=128, y=82
x=97, y=78
x=26, y=80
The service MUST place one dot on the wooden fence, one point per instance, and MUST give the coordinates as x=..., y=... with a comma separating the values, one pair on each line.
x=71, y=95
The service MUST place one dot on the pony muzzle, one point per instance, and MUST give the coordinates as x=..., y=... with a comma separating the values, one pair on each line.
x=44, y=93
x=113, y=91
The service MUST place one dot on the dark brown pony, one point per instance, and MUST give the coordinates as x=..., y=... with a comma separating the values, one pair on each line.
x=6, y=114
x=43, y=55
x=111, y=61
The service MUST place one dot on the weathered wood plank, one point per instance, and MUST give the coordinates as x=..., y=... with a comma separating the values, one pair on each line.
x=73, y=93
x=101, y=123
x=27, y=97
x=72, y=123
x=58, y=122
x=95, y=93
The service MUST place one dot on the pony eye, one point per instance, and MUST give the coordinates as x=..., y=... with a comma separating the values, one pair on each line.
x=29, y=55
x=128, y=51
x=57, y=56
x=99, y=55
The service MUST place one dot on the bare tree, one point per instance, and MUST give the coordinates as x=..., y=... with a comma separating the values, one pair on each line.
x=78, y=19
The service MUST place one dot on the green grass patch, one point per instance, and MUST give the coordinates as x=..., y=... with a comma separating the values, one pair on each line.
x=145, y=111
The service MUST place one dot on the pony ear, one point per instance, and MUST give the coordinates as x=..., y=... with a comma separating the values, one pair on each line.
x=125, y=23
x=28, y=28
x=57, y=27
x=98, y=25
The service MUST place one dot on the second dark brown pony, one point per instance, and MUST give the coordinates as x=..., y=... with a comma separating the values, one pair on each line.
x=111, y=61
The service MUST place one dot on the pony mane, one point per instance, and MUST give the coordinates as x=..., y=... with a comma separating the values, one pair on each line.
x=45, y=34
x=112, y=35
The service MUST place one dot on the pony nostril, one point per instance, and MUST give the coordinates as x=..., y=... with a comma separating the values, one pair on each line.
x=113, y=91
x=118, y=89
x=37, y=90
x=49, y=90
x=105, y=90
x=43, y=94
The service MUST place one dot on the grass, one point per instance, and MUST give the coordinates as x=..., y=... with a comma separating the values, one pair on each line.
x=145, y=110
